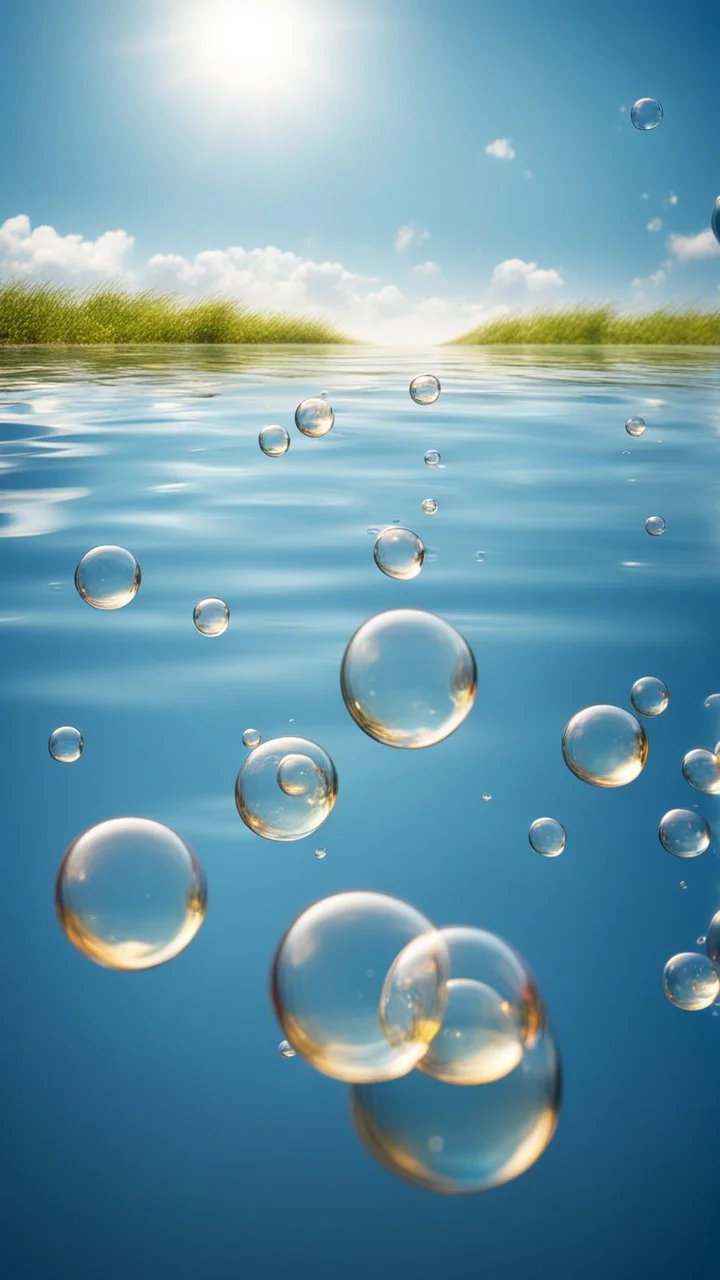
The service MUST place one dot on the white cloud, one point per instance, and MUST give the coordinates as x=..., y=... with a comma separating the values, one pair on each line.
x=672, y=198
x=516, y=276
x=501, y=149
x=426, y=269
x=412, y=233
x=655, y=280
x=694, y=248
x=655, y=224
x=41, y=253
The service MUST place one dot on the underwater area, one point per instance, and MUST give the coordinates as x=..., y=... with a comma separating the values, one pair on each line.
x=152, y=1127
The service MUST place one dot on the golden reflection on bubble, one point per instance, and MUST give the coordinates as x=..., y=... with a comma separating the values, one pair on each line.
x=286, y=788
x=605, y=746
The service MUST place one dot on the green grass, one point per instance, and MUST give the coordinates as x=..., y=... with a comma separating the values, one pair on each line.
x=601, y=326
x=45, y=314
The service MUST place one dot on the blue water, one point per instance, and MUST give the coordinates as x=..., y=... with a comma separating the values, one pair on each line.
x=151, y=1128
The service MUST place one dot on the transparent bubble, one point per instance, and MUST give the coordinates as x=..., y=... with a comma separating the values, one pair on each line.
x=635, y=427
x=683, y=833
x=655, y=526
x=712, y=940
x=298, y=775
x=547, y=837
x=327, y=981
x=399, y=553
x=715, y=218
x=408, y=678
x=683, y=884
x=649, y=696
x=432, y=458
x=286, y=1050
x=276, y=814
x=211, y=616
x=712, y=701
x=493, y=1007
x=429, y=506
x=108, y=577
x=314, y=417
x=690, y=981
x=455, y=1141
x=251, y=739
x=480, y=557
x=605, y=746
x=425, y=389
x=627, y=453
x=701, y=940
x=486, y=795
x=130, y=893
x=321, y=853
x=701, y=768
x=274, y=441
x=66, y=744
x=646, y=114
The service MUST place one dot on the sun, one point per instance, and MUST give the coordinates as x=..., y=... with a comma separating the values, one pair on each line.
x=249, y=44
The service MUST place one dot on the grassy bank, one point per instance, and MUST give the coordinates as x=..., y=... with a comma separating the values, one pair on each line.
x=44, y=314
x=601, y=325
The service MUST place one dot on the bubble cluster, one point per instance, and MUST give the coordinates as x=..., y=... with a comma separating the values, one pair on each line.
x=408, y=678
x=429, y=506
x=108, y=577
x=655, y=526
x=635, y=427
x=130, y=893
x=288, y=802
x=251, y=739
x=701, y=768
x=432, y=458
x=684, y=833
x=649, y=696
x=425, y=389
x=66, y=744
x=314, y=417
x=547, y=837
x=274, y=441
x=211, y=616
x=690, y=981
x=646, y=114
x=605, y=746
x=399, y=553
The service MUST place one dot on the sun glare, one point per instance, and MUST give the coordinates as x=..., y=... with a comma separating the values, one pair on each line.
x=241, y=44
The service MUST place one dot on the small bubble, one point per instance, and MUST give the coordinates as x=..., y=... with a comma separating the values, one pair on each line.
x=314, y=417
x=486, y=795
x=321, y=853
x=701, y=768
x=649, y=696
x=547, y=837
x=108, y=577
x=702, y=940
x=627, y=453
x=56, y=586
x=690, y=981
x=66, y=744
x=425, y=389
x=435, y=1145
x=655, y=526
x=285, y=1049
x=251, y=739
x=291, y=720
x=479, y=557
x=432, y=458
x=429, y=506
x=683, y=833
x=683, y=884
x=374, y=530
x=298, y=775
x=605, y=746
x=635, y=427
x=211, y=616
x=646, y=114
x=274, y=441
x=399, y=553
x=712, y=700
x=294, y=804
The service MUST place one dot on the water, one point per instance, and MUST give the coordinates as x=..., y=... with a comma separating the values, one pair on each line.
x=175, y=1073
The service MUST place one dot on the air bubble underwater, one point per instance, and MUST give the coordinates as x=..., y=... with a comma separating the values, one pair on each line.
x=295, y=809
x=646, y=114
x=399, y=553
x=108, y=577
x=66, y=744
x=605, y=746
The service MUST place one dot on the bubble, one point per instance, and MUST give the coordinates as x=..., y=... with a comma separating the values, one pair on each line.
x=683, y=833
x=715, y=218
x=712, y=940
x=683, y=884
x=635, y=427
x=286, y=1050
x=425, y=389
x=627, y=453
x=712, y=701
x=314, y=417
x=432, y=458
x=408, y=678
x=649, y=696
x=399, y=553
x=605, y=746
x=276, y=814
x=690, y=981
x=251, y=739
x=130, y=893
x=701, y=940
x=486, y=795
x=66, y=744
x=646, y=114
x=321, y=853
x=701, y=768
x=298, y=775
x=211, y=616
x=493, y=1007
x=455, y=1141
x=274, y=441
x=479, y=557
x=327, y=980
x=547, y=837
x=108, y=577
x=655, y=526
x=429, y=506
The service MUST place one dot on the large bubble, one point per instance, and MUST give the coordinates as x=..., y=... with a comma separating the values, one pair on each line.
x=408, y=678
x=286, y=788
x=399, y=553
x=646, y=114
x=211, y=616
x=108, y=577
x=130, y=893
x=455, y=1141
x=684, y=833
x=327, y=982
x=314, y=417
x=690, y=981
x=274, y=441
x=635, y=426
x=605, y=746
x=493, y=1006
x=547, y=837
x=701, y=768
x=66, y=744
x=425, y=389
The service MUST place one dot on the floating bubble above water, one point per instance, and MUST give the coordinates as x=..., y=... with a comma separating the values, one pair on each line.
x=655, y=526
x=327, y=980
x=274, y=441
x=454, y=1141
x=298, y=775
x=108, y=577
x=429, y=506
x=646, y=114
x=547, y=837
x=684, y=833
x=399, y=553
x=66, y=744
x=130, y=893
x=211, y=616
x=425, y=389
x=432, y=458
x=701, y=768
x=314, y=417
x=251, y=739
x=690, y=981
x=649, y=696
x=712, y=941
x=408, y=678
x=605, y=745
x=321, y=853
x=635, y=427
x=274, y=813
x=286, y=1050
x=715, y=218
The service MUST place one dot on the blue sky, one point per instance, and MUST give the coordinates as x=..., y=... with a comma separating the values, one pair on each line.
x=307, y=145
